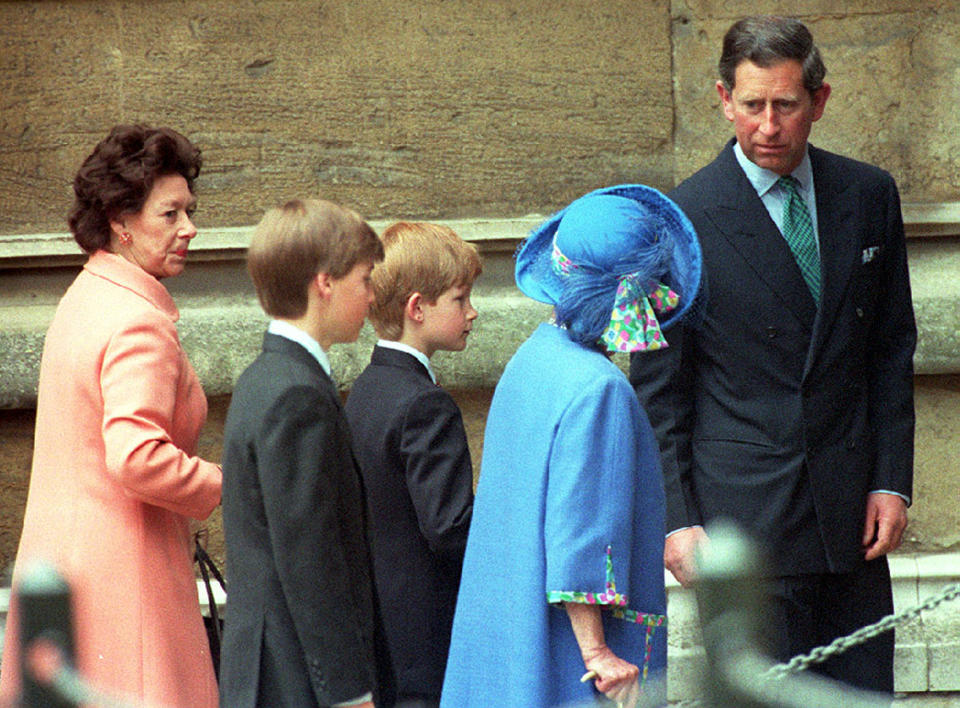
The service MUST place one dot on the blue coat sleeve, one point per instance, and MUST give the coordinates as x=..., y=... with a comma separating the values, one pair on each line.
x=589, y=512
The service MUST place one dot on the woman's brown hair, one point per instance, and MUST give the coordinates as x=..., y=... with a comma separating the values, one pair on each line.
x=116, y=178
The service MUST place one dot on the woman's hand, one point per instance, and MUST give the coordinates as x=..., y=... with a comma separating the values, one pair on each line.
x=615, y=678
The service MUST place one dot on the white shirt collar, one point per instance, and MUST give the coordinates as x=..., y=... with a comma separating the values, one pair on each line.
x=415, y=353
x=295, y=334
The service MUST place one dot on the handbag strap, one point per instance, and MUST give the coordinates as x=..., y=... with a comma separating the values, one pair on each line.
x=207, y=566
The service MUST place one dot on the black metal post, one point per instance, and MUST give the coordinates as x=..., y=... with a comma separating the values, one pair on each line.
x=45, y=622
x=732, y=614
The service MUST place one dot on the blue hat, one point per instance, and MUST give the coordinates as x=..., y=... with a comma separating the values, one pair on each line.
x=608, y=251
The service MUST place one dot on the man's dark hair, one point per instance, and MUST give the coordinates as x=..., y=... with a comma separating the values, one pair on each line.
x=767, y=40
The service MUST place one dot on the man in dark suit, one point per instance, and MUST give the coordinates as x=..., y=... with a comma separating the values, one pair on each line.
x=301, y=622
x=788, y=406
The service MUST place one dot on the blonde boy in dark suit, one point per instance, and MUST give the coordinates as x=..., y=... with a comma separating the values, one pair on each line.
x=412, y=448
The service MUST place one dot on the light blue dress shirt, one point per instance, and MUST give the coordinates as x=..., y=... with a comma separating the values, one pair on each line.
x=773, y=196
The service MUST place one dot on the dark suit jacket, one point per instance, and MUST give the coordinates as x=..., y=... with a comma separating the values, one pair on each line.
x=299, y=627
x=415, y=462
x=772, y=412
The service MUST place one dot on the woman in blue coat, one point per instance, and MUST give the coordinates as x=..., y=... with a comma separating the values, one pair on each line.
x=563, y=575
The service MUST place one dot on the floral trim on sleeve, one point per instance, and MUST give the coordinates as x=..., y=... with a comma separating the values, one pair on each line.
x=651, y=622
x=618, y=604
x=609, y=596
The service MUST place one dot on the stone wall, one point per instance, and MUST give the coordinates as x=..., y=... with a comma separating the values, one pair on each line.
x=428, y=109
x=221, y=328
x=484, y=112
x=444, y=109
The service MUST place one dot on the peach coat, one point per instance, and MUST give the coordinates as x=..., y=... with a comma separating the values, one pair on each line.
x=114, y=484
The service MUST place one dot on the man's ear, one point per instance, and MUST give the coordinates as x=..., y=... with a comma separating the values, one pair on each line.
x=413, y=310
x=820, y=97
x=324, y=284
x=726, y=99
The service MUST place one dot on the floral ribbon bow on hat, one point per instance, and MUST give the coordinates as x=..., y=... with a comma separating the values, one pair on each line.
x=633, y=322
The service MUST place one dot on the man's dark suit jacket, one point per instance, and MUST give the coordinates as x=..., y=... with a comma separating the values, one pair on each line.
x=412, y=449
x=299, y=627
x=769, y=411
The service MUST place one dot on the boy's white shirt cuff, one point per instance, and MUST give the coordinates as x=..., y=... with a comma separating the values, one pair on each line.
x=365, y=698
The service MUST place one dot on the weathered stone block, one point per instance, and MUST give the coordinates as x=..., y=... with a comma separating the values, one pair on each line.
x=935, y=516
x=434, y=109
x=945, y=667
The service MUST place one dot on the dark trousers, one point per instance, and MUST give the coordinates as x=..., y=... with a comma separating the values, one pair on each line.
x=812, y=610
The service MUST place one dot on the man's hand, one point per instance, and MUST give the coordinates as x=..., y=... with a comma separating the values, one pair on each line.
x=679, y=553
x=885, y=524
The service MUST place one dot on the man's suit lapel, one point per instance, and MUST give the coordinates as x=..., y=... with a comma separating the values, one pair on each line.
x=839, y=245
x=745, y=223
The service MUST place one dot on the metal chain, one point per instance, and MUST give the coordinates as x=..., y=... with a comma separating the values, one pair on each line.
x=841, y=644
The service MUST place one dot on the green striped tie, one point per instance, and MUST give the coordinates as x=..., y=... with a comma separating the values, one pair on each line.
x=798, y=231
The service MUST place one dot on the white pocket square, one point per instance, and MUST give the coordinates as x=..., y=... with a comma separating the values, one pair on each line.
x=868, y=254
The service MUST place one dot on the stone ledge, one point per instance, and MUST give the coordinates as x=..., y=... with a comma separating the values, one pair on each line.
x=230, y=243
x=931, y=219
x=940, y=219
x=221, y=324
x=221, y=344
x=221, y=340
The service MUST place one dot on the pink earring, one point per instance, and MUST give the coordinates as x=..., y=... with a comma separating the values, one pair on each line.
x=124, y=238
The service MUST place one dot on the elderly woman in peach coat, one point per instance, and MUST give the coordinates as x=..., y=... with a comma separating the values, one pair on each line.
x=115, y=479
